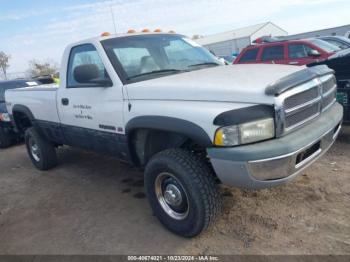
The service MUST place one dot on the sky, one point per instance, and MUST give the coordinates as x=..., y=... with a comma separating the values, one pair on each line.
x=41, y=29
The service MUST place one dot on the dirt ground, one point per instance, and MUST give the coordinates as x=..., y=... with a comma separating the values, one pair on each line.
x=93, y=204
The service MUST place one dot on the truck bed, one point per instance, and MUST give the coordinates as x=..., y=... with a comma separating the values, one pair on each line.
x=40, y=99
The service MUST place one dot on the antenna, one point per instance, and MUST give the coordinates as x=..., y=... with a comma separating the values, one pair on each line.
x=112, y=13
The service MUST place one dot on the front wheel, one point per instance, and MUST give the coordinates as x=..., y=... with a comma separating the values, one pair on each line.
x=41, y=152
x=182, y=191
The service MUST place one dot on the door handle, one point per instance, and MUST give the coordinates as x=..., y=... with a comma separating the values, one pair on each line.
x=293, y=63
x=65, y=101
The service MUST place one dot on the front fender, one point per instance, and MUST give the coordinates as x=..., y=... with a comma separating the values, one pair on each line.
x=171, y=124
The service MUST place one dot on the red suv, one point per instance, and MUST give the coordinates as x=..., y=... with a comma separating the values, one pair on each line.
x=290, y=52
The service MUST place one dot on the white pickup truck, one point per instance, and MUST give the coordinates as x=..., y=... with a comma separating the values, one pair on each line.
x=162, y=102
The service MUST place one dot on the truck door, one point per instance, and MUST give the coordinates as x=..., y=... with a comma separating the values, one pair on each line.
x=90, y=103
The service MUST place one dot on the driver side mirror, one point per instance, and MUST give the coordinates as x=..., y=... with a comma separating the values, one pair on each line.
x=314, y=53
x=89, y=74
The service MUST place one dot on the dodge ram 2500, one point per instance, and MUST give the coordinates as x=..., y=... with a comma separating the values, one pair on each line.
x=162, y=102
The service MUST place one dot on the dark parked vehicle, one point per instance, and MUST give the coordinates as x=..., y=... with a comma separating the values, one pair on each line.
x=45, y=80
x=339, y=41
x=8, y=134
x=340, y=63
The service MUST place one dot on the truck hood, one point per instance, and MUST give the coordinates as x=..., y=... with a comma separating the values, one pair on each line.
x=233, y=83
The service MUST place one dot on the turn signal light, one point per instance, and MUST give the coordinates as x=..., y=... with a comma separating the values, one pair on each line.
x=106, y=34
x=146, y=30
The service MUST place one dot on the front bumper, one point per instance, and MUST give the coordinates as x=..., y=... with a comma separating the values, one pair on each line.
x=277, y=161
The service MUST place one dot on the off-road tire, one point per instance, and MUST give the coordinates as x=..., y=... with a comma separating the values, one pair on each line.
x=197, y=180
x=46, y=150
x=6, y=139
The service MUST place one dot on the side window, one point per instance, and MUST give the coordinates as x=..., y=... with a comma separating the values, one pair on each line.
x=85, y=55
x=273, y=53
x=296, y=51
x=249, y=55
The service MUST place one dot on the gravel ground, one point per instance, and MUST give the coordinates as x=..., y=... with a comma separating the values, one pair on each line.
x=93, y=204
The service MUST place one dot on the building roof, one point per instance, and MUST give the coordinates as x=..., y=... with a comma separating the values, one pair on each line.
x=345, y=27
x=233, y=34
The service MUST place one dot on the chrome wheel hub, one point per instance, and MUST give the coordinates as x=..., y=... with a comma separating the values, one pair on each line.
x=171, y=196
x=34, y=150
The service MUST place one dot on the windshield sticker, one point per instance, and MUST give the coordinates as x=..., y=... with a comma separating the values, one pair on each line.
x=191, y=42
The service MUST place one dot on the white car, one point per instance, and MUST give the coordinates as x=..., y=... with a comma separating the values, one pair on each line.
x=162, y=102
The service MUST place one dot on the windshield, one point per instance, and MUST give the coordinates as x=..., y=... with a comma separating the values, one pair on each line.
x=325, y=46
x=143, y=57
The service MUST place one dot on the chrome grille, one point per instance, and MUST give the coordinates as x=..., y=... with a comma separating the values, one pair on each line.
x=303, y=115
x=329, y=99
x=328, y=84
x=305, y=102
x=301, y=98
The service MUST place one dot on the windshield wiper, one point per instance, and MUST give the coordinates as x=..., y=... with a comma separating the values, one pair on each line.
x=204, y=64
x=157, y=72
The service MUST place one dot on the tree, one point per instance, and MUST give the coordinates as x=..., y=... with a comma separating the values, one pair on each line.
x=4, y=64
x=42, y=68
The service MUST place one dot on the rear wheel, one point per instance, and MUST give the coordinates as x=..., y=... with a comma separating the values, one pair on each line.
x=41, y=152
x=5, y=138
x=182, y=191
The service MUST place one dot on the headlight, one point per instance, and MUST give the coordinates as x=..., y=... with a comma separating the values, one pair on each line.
x=5, y=117
x=245, y=133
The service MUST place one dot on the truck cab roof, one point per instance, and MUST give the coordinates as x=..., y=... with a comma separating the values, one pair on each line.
x=118, y=35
